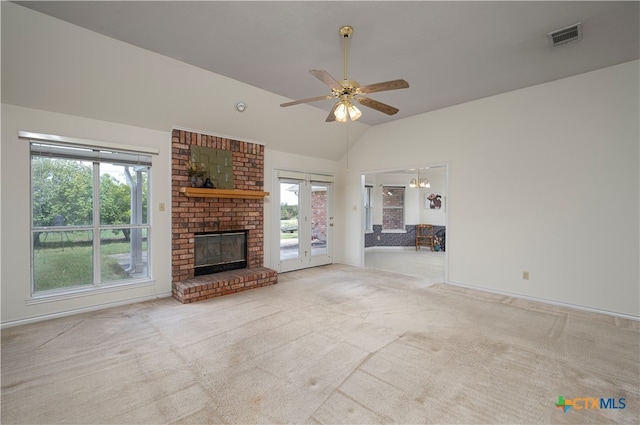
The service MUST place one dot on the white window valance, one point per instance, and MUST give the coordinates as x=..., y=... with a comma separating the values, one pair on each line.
x=83, y=143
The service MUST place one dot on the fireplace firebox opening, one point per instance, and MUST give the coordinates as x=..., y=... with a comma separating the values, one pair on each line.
x=216, y=252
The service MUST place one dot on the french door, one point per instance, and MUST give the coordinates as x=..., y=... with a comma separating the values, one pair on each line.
x=306, y=220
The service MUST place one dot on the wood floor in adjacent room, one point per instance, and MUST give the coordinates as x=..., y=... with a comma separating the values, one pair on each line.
x=328, y=345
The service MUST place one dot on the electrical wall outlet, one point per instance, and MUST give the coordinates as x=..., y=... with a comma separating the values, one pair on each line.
x=525, y=275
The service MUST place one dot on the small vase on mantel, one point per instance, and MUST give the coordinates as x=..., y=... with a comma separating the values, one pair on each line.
x=196, y=181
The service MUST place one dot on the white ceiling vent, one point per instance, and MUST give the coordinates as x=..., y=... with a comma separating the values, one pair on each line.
x=565, y=35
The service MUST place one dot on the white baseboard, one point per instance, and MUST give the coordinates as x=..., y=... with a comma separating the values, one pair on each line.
x=389, y=248
x=345, y=263
x=81, y=310
x=546, y=301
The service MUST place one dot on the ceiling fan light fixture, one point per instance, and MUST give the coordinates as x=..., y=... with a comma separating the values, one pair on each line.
x=346, y=110
x=354, y=113
x=341, y=112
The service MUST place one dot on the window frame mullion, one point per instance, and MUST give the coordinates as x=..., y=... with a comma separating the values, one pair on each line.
x=97, y=278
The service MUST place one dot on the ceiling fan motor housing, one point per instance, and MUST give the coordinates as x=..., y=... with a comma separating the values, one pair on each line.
x=349, y=88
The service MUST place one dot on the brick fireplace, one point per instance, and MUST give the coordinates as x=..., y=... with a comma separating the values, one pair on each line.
x=208, y=210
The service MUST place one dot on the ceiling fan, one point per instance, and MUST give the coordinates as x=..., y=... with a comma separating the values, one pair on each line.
x=348, y=91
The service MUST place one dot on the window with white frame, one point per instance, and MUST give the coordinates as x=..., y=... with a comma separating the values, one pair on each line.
x=393, y=208
x=90, y=217
x=368, y=208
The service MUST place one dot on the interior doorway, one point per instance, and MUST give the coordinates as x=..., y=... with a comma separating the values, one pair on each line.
x=389, y=235
x=305, y=220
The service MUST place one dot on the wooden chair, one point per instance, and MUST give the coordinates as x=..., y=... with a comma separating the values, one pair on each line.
x=424, y=236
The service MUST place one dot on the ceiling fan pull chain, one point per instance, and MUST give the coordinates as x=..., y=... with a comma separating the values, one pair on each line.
x=347, y=126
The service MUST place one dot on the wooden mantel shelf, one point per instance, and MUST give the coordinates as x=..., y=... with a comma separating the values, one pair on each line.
x=198, y=192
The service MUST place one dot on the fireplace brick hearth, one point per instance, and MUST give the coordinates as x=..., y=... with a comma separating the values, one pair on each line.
x=191, y=215
x=218, y=284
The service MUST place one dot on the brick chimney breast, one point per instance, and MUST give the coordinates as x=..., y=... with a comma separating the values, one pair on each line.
x=190, y=215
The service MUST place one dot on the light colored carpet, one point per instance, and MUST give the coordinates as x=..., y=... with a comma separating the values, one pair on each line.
x=333, y=344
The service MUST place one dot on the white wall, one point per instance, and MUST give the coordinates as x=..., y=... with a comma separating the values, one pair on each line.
x=15, y=188
x=543, y=179
x=51, y=65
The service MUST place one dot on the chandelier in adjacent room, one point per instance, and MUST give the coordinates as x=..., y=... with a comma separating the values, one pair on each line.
x=419, y=182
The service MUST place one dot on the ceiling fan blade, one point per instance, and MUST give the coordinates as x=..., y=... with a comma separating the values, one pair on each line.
x=387, y=85
x=378, y=106
x=311, y=99
x=326, y=78
x=332, y=116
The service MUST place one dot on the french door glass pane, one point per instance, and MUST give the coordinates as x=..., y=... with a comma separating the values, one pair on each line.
x=319, y=219
x=289, y=214
x=62, y=259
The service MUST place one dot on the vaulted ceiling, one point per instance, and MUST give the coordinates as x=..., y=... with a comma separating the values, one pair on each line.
x=449, y=52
